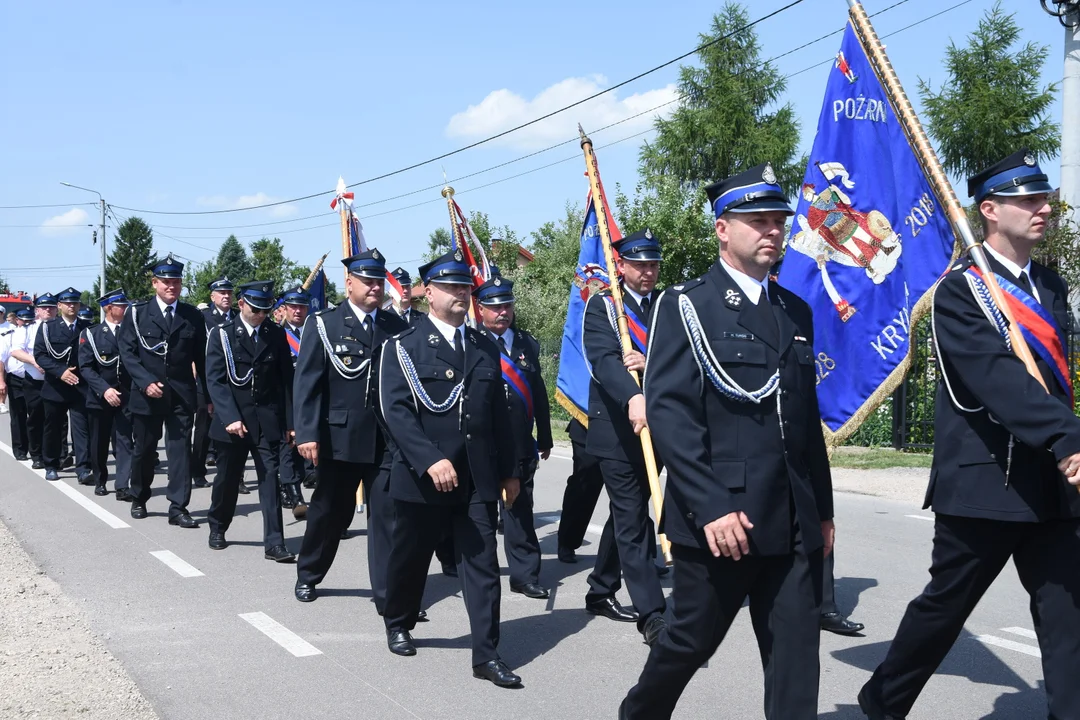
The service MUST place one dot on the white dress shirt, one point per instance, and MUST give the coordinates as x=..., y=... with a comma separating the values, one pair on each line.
x=162, y=305
x=508, y=338
x=447, y=330
x=752, y=288
x=360, y=314
x=1014, y=269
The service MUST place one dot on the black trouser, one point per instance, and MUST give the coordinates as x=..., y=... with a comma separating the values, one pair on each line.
x=35, y=417
x=785, y=599
x=147, y=431
x=333, y=503
x=111, y=424
x=417, y=529
x=231, y=457
x=968, y=555
x=20, y=438
x=293, y=467
x=579, y=499
x=201, y=444
x=628, y=543
x=828, y=589
x=56, y=418
x=519, y=532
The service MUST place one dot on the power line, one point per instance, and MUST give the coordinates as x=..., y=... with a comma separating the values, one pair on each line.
x=27, y=207
x=504, y=133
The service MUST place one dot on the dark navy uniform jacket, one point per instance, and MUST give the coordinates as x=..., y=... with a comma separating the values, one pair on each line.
x=525, y=356
x=610, y=433
x=968, y=477
x=186, y=349
x=338, y=412
x=61, y=339
x=264, y=404
x=725, y=455
x=476, y=434
x=98, y=377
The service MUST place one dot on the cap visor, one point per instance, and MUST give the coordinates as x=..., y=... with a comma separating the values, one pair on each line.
x=369, y=274
x=1034, y=188
x=766, y=205
x=452, y=280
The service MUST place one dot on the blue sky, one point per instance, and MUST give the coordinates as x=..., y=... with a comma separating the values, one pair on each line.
x=195, y=106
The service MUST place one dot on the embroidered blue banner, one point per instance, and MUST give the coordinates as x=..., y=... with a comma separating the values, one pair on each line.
x=867, y=242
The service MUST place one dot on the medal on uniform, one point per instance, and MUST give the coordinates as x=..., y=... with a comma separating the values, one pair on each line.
x=347, y=360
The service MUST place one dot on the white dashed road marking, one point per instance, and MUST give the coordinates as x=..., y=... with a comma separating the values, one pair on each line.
x=182, y=568
x=1012, y=644
x=280, y=634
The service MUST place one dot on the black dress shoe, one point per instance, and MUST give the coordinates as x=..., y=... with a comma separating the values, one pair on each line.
x=871, y=706
x=184, y=520
x=305, y=592
x=300, y=511
x=310, y=479
x=122, y=495
x=52, y=475
x=662, y=571
x=67, y=462
x=567, y=555
x=610, y=608
x=138, y=510
x=242, y=489
x=279, y=553
x=217, y=541
x=22, y=457
x=531, y=590
x=37, y=465
x=287, y=503
x=653, y=627
x=497, y=672
x=101, y=491
x=86, y=478
x=449, y=570
x=199, y=482
x=211, y=460
x=420, y=616
x=834, y=622
x=400, y=642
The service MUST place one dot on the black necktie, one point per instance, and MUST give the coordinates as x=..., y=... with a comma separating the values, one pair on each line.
x=645, y=303
x=1025, y=283
x=769, y=330
x=255, y=335
x=502, y=345
x=168, y=317
x=459, y=350
x=367, y=325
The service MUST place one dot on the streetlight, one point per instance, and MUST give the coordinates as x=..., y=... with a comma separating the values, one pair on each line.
x=101, y=282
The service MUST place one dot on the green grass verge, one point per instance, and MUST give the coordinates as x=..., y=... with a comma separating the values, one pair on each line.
x=863, y=458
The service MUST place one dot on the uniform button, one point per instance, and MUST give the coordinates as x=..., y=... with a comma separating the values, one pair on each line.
x=993, y=456
x=468, y=437
x=738, y=355
x=689, y=516
x=468, y=416
x=466, y=397
x=783, y=393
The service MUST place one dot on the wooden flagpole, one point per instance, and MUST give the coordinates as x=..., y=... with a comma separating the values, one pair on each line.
x=314, y=271
x=924, y=153
x=346, y=251
x=624, y=330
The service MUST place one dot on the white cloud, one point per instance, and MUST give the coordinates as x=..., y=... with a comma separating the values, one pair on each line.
x=504, y=109
x=226, y=202
x=66, y=223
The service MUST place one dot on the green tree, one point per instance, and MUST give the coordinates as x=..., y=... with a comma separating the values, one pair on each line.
x=438, y=243
x=133, y=248
x=4, y=287
x=679, y=217
x=727, y=121
x=233, y=261
x=992, y=101
x=269, y=263
x=197, y=278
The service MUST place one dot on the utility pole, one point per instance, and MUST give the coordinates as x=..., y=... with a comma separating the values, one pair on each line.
x=101, y=280
x=1068, y=14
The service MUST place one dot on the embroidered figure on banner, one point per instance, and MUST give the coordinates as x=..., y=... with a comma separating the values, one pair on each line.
x=833, y=230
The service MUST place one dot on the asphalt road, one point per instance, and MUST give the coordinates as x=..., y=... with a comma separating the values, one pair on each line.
x=209, y=634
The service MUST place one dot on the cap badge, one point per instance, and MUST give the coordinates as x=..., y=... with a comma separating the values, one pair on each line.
x=732, y=299
x=497, y=282
x=1029, y=160
x=458, y=256
x=648, y=234
x=375, y=254
x=768, y=175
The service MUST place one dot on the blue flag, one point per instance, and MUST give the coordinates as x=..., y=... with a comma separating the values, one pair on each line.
x=318, y=291
x=590, y=277
x=868, y=242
